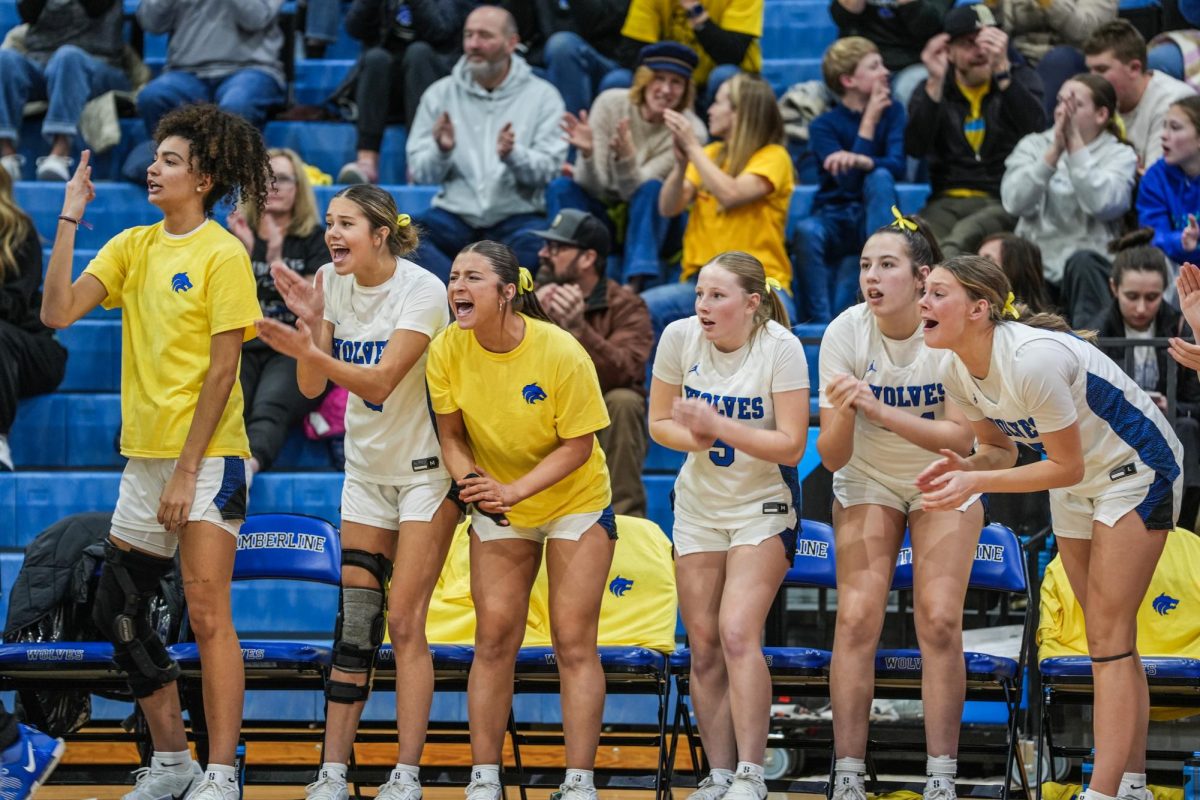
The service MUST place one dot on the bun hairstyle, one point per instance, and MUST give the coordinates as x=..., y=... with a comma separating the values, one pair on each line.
x=379, y=207
x=1134, y=253
x=919, y=240
x=752, y=278
x=503, y=262
x=984, y=280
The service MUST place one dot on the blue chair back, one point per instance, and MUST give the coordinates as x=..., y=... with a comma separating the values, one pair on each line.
x=999, y=562
x=290, y=547
x=815, y=563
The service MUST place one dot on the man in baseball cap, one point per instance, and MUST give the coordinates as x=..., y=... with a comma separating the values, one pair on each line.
x=613, y=325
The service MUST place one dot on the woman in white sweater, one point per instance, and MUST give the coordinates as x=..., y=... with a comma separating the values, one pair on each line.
x=623, y=153
x=1070, y=185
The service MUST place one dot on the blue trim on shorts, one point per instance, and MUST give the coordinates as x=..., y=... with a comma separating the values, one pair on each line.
x=608, y=521
x=233, y=479
x=791, y=479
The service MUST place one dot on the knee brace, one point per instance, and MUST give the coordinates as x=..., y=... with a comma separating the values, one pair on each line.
x=359, y=630
x=121, y=613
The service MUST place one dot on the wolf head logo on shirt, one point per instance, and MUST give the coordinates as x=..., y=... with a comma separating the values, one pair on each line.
x=619, y=586
x=181, y=282
x=1165, y=604
x=533, y=393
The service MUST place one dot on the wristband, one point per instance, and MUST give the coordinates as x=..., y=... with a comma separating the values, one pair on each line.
x=75, y=222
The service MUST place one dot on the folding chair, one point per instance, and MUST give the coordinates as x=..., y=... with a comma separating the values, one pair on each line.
x=1168, y=634
x=291, y=547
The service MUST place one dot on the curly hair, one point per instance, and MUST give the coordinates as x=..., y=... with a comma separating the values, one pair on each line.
x=224, y=147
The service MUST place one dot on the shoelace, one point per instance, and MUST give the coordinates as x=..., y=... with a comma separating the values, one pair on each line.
x=400, y=789
x=324, y=781
x=483, y=790
x=940, y=793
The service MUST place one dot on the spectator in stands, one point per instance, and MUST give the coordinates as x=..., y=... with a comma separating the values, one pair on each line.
x=321, y=23
x=287, y=233
x=1117, y=52
x=625, y=151
x=407, y=45
x=1140, y=276
x=219, y=52
x=573, y=43
x=613, y=325
x=33, y=361
x=73, y=52
x=859, y=147
x=1169, y=195
x=1051, y=33
x=970, y=114
x=184, y=487
x=724, y=34
x=1071, y=185
x=900, y=31
x=488, y=133
x=736, y=191
x=1021, y=261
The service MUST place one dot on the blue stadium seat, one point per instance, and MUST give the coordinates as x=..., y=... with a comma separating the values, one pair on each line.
x=117, y=206
x=95, y=356
x=797, y=29
x=329, y=145
x=317, y=79
x=782, y=73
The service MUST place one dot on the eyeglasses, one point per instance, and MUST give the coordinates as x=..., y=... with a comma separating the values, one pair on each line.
x=284, y=180
x=554, y=248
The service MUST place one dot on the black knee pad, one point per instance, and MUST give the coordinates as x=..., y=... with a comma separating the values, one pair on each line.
x=121, y=613
x=360, y=624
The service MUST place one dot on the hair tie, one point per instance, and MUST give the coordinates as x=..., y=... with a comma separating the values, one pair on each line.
x=524, y=281
x=902, y=221
x=1010, y=309
x=773, y=285
x=403, y=220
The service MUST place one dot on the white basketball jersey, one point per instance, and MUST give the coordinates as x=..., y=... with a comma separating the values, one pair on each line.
x=903, y=374
x=722, y=487
x=1042, y=381
x=393, y=443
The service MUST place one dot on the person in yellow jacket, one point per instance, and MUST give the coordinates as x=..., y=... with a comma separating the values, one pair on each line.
x=518, y=403
x=188, y=301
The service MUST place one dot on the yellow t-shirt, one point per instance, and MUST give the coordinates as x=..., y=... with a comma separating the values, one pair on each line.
x=755, y=228
x=176, y=293
x=518, y=406
x=664, y=20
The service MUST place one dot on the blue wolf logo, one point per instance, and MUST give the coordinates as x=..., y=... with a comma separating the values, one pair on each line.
x=532, y=393
x=620, y=586
x=1164, y=604
x=181, y=282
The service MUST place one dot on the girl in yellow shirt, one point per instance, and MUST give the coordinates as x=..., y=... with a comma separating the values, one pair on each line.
x=518, y=404
x=188, y=301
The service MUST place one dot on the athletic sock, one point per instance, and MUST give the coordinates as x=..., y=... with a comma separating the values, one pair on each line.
x=489, y=773
x=1092, y=794
x=746, y=769
x=411, y=773
x=849, y=770
x=333, y=769
x=580, y=779
x=180, y=762
x=721, y=777
x=1131, y=782
x=941, y=767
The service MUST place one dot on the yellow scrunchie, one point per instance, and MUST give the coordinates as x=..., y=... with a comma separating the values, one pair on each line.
x=1010, y=309
x=773, y=285
x=525, y=281
x=902, y=221
x=403, y=220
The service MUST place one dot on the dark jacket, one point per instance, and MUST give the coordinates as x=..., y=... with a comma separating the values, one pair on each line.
x=935, y=131
x=618, y=336
x=1168, y=322
x=597, y=21
x=899, y=31
x=92, y=25
x=395, y=23
x=21, y=294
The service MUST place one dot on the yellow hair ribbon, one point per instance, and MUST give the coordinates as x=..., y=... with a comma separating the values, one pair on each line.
x=773, y=285
x=525, y=281
x=403, y=220
x=1010, y=309
x=902, y=221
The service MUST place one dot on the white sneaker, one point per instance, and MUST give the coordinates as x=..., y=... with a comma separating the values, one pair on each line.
x=484, y=790
x=574, y=793
x=940, y=787
x=327, y=786
x=400, y=786
x=1135, y=793
x=708, y=789
x=214, y=787
x=848, y=788
x=746, y=787
x=13, y=164
x=6, y=462
x=156, y=782
x=54, y=168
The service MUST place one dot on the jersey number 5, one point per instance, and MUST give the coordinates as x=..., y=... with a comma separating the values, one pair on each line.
x=721, y=454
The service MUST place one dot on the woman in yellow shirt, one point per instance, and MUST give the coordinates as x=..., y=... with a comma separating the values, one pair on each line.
x=188, y=301
x=736, y=192
x=518, y=404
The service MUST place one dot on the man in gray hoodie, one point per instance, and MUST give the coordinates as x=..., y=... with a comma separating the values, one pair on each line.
x=488, y=134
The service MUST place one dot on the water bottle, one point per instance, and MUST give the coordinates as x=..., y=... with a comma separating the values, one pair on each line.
x=1191, y=777
x=1087, y=772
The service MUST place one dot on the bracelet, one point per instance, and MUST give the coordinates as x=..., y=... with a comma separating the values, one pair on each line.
x=75, y=222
